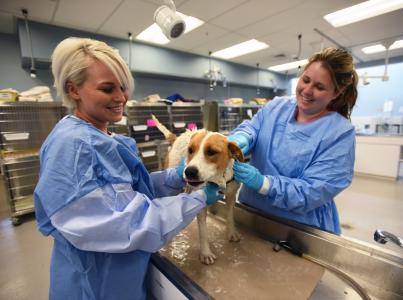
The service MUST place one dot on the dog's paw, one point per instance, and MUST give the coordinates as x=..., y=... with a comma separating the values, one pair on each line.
x=233, y=236
x=207, y=258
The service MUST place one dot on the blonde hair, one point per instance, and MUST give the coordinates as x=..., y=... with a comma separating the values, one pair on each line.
x=72, y=57
x=339, y=64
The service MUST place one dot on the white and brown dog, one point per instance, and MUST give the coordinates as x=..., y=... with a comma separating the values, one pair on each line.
x=209, y=158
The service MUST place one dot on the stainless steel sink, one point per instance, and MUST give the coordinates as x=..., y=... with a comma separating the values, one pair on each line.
x=355, y=270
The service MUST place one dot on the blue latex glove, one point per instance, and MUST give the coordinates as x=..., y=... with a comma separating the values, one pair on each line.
x=213, y=193
x=180, y=168
x=241, y=140
x=248, y=175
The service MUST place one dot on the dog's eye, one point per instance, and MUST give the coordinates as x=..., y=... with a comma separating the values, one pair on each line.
x=211, y=152
x=190, y=150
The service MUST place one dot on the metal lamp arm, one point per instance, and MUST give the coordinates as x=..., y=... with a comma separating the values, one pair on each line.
x=170, y=4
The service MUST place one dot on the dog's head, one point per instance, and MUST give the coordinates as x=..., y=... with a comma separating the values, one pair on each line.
x=210, y=158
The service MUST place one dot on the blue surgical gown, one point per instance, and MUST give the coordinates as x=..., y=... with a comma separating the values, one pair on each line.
x=307, y=164
x=105, y=212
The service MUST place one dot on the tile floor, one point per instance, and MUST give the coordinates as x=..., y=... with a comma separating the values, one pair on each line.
x=366, y=205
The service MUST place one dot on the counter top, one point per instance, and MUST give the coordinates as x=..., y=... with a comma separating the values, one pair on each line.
x=380, y=139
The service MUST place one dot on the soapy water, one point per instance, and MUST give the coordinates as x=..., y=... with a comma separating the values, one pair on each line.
x=239, y=265
x=178, y=248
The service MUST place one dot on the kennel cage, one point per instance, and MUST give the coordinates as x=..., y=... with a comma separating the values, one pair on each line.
x=23, y=128
x=230, y=116
x=153, y=154
x=150, y=141
x=141, y=126
x=186, y=116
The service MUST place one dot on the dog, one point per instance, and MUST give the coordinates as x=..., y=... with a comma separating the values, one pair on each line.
x=209, y=157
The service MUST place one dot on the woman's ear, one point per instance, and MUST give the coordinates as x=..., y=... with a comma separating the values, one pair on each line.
x=72, y=91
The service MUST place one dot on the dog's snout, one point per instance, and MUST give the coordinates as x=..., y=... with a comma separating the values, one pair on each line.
x=192, y=173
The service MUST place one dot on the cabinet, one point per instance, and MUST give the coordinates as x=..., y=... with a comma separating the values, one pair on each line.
x=378, y=156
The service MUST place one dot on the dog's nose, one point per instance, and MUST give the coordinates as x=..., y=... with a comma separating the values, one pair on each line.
x=192, y=173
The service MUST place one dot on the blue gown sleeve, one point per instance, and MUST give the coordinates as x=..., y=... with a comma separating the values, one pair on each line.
x=167, y=183
x=330, y=173
x=116, y=219
x=251, y=128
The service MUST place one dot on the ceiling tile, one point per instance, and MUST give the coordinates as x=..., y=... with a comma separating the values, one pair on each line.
x=82, y=13
x=208, y=9
x=251, y=12
x=375, y=29
x=7, y=23
x=132, y=16
x=201, y=36
x=228, y=22
x=38, y=10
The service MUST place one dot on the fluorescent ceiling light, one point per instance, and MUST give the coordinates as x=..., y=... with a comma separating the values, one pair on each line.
x=380, y=48
x=396, y=45
x=191, y=22
x=362, y=11
x=240, y=49
x=153, y=34
x=289, y=66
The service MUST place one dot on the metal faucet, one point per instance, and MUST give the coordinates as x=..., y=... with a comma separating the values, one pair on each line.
x=382, y=236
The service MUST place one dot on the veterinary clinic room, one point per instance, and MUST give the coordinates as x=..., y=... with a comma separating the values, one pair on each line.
x=184, y=149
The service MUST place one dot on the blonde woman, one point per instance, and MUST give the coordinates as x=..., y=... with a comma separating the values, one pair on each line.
x=106, y=213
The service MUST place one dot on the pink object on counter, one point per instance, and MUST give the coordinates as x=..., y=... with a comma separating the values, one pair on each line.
x=151, y=123
x=192, y=126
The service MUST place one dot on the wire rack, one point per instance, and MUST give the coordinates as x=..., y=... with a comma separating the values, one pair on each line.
x=23, y=129
x=24, y=126
x=150, y=141
x=186, y=116
x=230, y=116
x=140, y=124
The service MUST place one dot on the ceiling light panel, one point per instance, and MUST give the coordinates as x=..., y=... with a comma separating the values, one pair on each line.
x=240, y=49
x=380, y=48
x=373, y=49
x=153, y=34
x=396, y=45
x=191, y=22
x=289, y=66
x=362, y=11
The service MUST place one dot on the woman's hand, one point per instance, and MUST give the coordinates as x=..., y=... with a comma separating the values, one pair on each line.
x=248, y=175
x=180, y=168
x=213, y=193
x=241, y=140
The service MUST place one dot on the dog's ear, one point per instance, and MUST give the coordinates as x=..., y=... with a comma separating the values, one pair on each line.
x=235, y=151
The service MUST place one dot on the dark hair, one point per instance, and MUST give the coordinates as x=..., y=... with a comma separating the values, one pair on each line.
x=340, y=65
